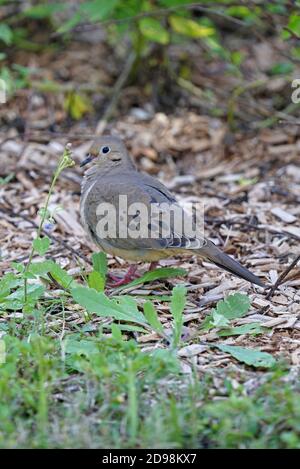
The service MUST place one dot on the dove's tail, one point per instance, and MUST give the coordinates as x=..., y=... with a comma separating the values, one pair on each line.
x=212, y=253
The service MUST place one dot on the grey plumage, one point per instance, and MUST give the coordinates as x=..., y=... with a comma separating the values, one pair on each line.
x=113, y=173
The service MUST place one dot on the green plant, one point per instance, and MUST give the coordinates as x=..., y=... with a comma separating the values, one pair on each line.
x=41, y=244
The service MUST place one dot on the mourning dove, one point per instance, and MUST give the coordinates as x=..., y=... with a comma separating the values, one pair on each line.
x=113, y=174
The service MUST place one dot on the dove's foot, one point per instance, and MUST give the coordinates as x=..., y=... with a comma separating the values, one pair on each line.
x=153, y=266
x=130, y=275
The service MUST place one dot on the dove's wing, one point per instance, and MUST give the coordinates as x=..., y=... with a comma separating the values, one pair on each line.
x=149, y=222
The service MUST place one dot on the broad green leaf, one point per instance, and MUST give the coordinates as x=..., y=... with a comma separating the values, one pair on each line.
x=15, y=300
x=128, y=328
x=294, y=23
x=178, y=301
x=57, y=272
x=129, y=304
x=173, y=3
x=7, y=178
x=96, y=281
x=61, y=276
x=100, y=263
x=6, y=34
x=249, y=356
x=41, y=268
x=152, y=317
x=85, y=347
x=234, y=306
x=43, y=11
x=77, y=105
x=237, y=57
x=116, y=332
x=7, y=283
x=124, y=308
x=218, y=320
x=251, y=328
x=153, y=30
x=97, y=10
x=41, y=245
x=70, y=24
x=282, y=68
x=18, y=266
x=240, y=11
x=158, y=274
x=189, y=27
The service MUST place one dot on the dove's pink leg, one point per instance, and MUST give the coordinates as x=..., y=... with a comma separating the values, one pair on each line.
x=128, y=277
x=153, y=266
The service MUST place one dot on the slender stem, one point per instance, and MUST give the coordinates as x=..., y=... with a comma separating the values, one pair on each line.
x=64, y=162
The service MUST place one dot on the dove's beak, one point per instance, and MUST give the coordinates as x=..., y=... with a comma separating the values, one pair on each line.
x=87, y=160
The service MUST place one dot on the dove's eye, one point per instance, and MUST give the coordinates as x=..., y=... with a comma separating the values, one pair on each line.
x=105, y=150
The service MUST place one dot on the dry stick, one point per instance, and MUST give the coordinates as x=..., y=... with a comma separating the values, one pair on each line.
x=280, y=279
x=123, y=77
x=218, y=222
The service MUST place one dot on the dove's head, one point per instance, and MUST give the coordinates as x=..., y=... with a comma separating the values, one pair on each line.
x=107, y=153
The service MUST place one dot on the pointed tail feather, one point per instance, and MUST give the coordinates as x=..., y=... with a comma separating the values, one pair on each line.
x=213, y=254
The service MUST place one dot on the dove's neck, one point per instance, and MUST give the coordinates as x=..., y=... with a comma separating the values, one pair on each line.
x=97, y=172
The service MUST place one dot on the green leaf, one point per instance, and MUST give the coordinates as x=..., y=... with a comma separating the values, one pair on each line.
x=61, y=276
x=129, y=306
x=100, y=262
x=116, y=332
x=6, y=34
x=218, y=320
x=282, y=68
x=153, y=30
x=251, y=328
x=294, y=23
x=234, y=306
x=7, y=283
x=96, y=281
x=46, y=10
x=77, y=105
x=7, y=178
x=158, y=274
x=249, y=356
x=242, y=11
x=97, y=10
x=178, y=301
x=127, y=328
x=15, y=300
x=152, y=317
x=57, y=272
x=124, y=308
x=70, y=24
x=41, y=245
x=84, y=347
x=189, y=27
x=40, y=268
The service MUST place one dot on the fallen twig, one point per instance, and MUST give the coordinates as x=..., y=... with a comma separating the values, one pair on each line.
x=116, y=93
x=280, y=279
